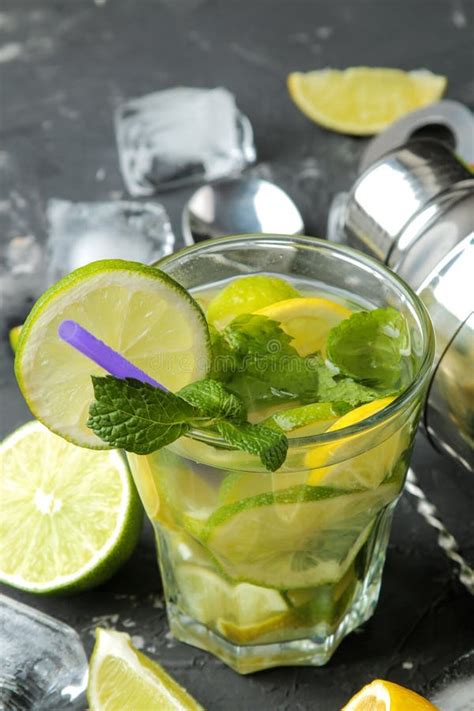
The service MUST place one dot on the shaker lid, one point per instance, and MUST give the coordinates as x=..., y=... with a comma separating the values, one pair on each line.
x=395, y=190
x=451, y=117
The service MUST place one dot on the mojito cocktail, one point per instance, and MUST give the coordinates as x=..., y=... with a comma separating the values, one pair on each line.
x=267, y=568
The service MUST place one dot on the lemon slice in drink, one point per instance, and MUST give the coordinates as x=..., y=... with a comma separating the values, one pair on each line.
x=135, y=309
x=123, y=679
x=70, y=516
x=293, y=538
x=307, y=320
x=363, y=100
x=245, y=295
x=333, y=464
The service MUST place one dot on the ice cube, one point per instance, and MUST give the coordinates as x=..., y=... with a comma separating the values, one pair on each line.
x=454, y=690
x=21, y=254
x=180, y=136
x=87, y=231
x=21, y=277
x=44, y=666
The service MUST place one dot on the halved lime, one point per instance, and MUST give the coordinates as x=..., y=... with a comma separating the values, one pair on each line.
x=123, y=679
x=70, y=516
x=137, y=310
x=299, y=537
x=208, y=597
x=247, y=294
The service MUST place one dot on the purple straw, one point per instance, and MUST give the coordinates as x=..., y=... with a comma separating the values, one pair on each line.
x=108, y=359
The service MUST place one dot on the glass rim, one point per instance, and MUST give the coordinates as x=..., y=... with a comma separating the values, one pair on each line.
x=385, y=413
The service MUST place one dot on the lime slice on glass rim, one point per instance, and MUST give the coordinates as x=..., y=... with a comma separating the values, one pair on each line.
x=70, y=516
x=123, y=679
x=135, y=309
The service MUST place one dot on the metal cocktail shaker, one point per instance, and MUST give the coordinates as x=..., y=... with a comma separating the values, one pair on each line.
x=414, y=210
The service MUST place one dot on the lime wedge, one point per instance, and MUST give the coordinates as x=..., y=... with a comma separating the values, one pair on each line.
x=123, y=679
x=70, y=516
x=294, y=538
x=207, y=597
x=246, y=295
x=137, y=310
x=14, y=337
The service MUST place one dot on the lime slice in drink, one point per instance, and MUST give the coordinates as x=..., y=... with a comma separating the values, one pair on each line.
x=123, y=679
x=70, y=516
x=172, y=488
x=246, y=295
x=135, y=309
x=207, y=597
x=257, y=632
x=243, y=485
x=335, y=465
x=294, y=538
x=307, y=320
x=307, y=419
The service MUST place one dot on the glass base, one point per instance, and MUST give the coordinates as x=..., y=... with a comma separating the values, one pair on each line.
x=308, y=651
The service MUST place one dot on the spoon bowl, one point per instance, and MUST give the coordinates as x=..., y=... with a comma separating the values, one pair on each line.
x=241, y=205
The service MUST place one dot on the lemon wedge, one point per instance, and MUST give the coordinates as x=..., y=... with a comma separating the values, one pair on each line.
x=386, y=696
x=363, y=100
x=123, y=679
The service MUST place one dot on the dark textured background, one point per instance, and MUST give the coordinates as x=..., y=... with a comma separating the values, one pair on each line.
x=64, y=67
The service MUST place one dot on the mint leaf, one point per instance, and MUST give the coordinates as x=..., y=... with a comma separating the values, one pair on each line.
x=256, y=392
x=270, y=445
x=256, y=334
x=213, y=400
x=333, y=388
x=137, y=417
x=371, y=347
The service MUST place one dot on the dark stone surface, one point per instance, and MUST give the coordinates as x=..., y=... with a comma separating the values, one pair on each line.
x=64, y=67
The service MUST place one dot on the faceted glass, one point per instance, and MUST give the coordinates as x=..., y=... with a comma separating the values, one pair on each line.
x=266, y=569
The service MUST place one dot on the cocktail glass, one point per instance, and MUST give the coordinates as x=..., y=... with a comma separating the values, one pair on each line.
x=267, y=569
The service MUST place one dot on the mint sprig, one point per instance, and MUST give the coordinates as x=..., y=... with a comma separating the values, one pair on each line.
x=135, y=416
x=139, y=418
